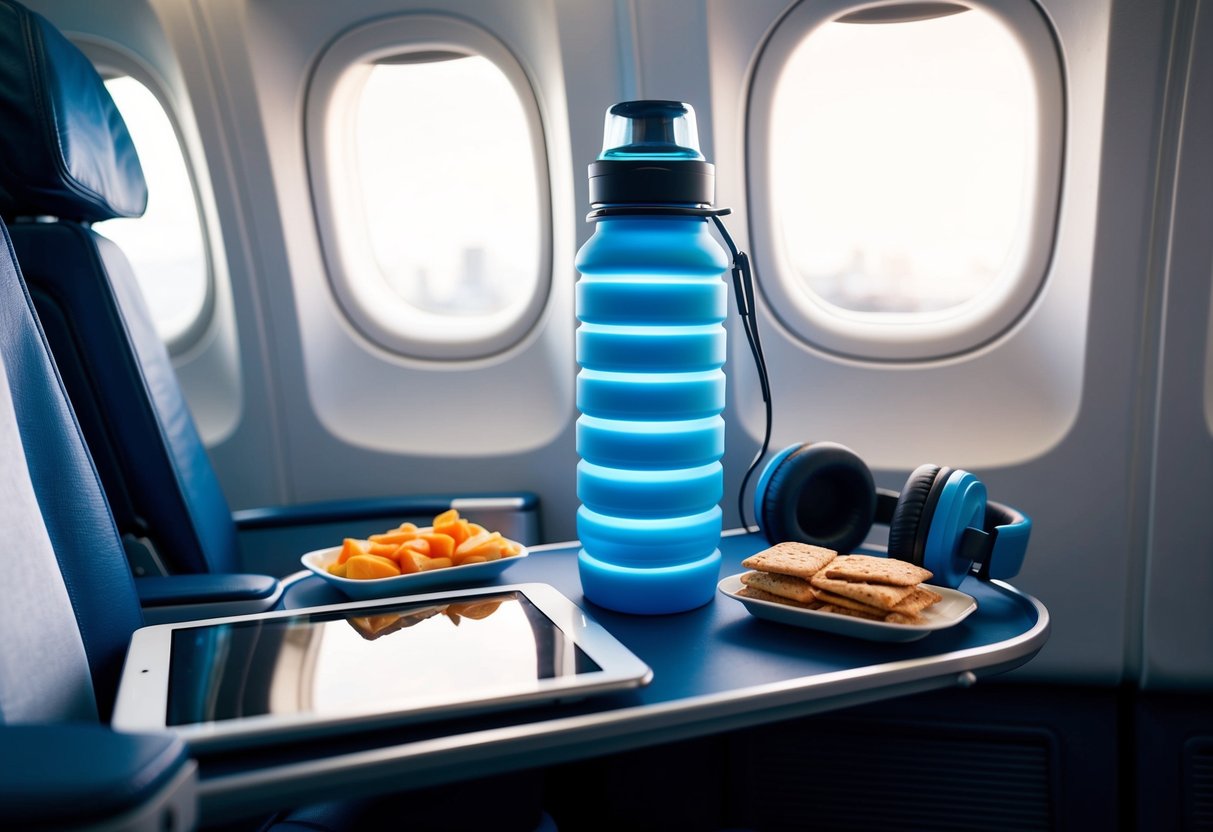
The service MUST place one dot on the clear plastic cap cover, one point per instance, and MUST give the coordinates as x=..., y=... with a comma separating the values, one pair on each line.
x=650, y=130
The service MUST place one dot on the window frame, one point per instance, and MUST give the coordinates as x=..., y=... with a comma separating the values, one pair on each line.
x=375, y=311
x=111, y=62
x=908, y=337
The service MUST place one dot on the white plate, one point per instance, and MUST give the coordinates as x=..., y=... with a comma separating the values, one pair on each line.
x=954, y=608
x=405, y=584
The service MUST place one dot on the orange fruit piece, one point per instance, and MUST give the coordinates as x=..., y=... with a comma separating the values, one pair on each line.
x=351, y=547
x=398, y=536
x=441, y=545
x=418, y=545
x=485, y=544
x=410, y=561
x=457, y=529
x=383, y=550
x=365, y=567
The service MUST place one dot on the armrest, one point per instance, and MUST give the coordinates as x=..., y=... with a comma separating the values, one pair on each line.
x=389, y=508
x=74, y=776
x=166, y=598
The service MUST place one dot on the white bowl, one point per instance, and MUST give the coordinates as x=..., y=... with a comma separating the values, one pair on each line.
x=467, y=573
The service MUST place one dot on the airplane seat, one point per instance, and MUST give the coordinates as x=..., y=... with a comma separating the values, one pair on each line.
x=68, y=607
x=67, y=610
x=67, y=160
x=78, y=524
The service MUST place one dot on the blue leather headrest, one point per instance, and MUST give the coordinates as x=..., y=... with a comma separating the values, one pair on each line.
x=64, y=149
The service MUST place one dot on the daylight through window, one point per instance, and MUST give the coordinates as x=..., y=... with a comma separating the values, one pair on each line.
x=165, y=246
x=432, y=189
x=903, y=153
x=444, y=171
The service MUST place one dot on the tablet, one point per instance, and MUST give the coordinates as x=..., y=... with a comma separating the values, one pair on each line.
x=279, y=676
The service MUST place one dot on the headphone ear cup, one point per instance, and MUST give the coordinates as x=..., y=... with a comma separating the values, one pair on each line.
x=909, y=525
x=769, y=496
x=820, y=493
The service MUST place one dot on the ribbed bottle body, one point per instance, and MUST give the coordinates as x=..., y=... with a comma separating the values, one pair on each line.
x=651, y=388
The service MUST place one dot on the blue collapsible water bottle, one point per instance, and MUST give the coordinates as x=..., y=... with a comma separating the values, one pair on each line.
x=651, y=346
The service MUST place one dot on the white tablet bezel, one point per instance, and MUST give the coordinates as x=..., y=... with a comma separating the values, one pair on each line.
x=142, y=703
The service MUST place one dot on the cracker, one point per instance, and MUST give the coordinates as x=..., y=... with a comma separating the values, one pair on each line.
x=759, y=595
x=850, y=603
x=905, y=612
x=887, y=617
x=785, y=586
x=917, y=601
x=935, y=596
x=791, y=558
x=875, y=595
x=869, y=569
x=837, y=610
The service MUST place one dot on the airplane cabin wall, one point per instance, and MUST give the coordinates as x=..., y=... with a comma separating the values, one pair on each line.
x=422, y=428
x=1177, y=575
x=1092, y=412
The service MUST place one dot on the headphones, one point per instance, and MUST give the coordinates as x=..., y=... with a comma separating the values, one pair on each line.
x=823, y=494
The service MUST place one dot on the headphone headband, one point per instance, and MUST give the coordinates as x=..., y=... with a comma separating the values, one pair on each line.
x=1009, y=530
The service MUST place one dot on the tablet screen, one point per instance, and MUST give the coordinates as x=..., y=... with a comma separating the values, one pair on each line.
x=342, y=662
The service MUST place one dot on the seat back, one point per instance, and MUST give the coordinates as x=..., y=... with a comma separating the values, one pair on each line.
x=36, y=617
x=67, y=160
x=67, y=601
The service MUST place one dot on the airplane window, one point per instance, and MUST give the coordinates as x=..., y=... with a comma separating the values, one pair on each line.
x=904, y=177
x=165, y=246
x=434, y=182
x=454, y=231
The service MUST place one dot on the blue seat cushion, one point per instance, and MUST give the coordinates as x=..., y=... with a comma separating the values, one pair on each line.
x=78, y=520
x=68, y=775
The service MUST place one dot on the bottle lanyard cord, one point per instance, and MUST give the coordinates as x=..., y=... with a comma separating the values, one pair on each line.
x=743, y=292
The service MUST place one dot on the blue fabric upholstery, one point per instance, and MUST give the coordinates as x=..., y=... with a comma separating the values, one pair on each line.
x=67, y=610
x=155, y=469
x=44, y=670
x=64, y=147
x=80, y=527
x=69, y=775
